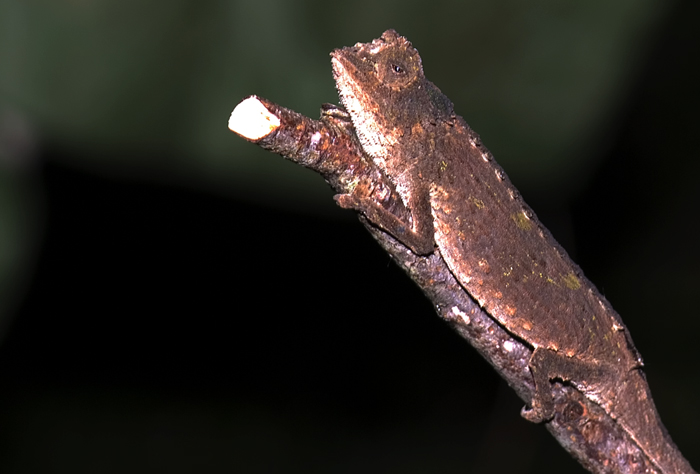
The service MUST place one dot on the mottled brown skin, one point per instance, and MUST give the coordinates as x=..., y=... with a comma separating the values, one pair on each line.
x=462, y=202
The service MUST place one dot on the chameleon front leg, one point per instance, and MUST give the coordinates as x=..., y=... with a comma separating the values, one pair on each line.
x=420, y=238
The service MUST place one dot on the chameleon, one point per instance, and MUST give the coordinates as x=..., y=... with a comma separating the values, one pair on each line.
x=462, y=205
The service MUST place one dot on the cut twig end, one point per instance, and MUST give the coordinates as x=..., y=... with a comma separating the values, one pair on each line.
x=251, y=119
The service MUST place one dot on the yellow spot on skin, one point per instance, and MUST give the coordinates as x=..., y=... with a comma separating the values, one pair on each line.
x=571, y=281
x=522, y=221
x=477, y=202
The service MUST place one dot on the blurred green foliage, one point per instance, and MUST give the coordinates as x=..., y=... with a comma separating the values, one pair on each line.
x=145, y=87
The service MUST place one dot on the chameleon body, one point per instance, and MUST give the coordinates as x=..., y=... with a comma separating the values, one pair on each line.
x=462, y=205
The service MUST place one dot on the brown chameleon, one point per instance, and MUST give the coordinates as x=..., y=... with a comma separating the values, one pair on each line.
x=463, y=206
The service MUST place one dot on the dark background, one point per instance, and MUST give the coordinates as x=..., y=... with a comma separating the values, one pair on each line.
x=175, y=300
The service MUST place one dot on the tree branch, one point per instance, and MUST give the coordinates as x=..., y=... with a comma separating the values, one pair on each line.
x=330, y=147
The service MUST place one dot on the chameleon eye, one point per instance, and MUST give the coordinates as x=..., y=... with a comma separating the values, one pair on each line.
x=397, y=69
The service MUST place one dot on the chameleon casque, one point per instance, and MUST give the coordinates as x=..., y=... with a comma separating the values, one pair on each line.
x=463, y=206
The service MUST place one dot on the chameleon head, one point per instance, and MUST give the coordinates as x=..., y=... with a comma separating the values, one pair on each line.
x=382, y=86
x=367, y=76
